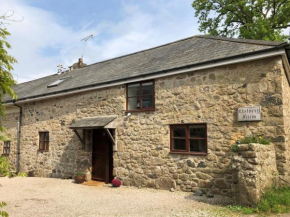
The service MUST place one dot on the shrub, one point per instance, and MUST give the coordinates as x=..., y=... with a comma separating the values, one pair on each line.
x=235, y=148
x=4, y=166
x=21, y=174
x=255, y=139
x=3, y=213
x=79, y=174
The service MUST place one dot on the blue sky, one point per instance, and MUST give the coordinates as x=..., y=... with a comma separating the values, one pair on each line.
x=51, y=30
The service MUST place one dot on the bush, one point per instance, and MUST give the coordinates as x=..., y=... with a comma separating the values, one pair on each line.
x=4, y=166
x=21, y=174
x=79, y=174
x=254, y=139
x=3, y=213
x=275, y=200
x=235, y=148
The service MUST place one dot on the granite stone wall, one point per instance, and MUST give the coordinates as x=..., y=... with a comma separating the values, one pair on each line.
x=254, y=170
x=284, y=148
x=143, y=155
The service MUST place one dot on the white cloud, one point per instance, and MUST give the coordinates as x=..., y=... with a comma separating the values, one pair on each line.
x=40, y=33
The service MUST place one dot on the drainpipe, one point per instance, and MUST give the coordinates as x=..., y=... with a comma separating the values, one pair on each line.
x=18, y=136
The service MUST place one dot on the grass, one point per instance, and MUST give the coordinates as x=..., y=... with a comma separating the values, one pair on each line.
x=254, y=139
x=275, y=200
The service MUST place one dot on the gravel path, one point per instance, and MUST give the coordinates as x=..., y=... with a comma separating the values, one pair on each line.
x=43, y=197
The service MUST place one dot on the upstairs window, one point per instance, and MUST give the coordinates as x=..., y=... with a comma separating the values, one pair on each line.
x=43, y=141
x=140, y=96
x=6, y=149
x=188, y=139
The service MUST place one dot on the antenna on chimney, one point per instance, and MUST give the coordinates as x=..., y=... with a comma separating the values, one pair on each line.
x=85, y=40
x=60, y=68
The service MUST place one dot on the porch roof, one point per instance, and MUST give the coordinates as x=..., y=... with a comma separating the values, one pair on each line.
x=93, y=122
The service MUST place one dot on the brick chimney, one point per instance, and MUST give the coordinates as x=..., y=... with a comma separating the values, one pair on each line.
x=79, y=64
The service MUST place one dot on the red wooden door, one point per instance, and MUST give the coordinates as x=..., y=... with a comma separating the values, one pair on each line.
x=101, y=156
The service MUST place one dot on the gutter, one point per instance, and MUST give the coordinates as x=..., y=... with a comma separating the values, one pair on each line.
x=18, y=137
x=274, y=51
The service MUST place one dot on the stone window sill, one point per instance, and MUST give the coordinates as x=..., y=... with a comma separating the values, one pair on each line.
x=5, y=155
x=42, y=151
x=191, y=153
x=141, y=110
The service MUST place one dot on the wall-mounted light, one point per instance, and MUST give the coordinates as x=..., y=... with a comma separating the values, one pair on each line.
x=129, y=114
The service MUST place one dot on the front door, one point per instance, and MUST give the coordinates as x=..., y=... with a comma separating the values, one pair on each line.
x=102, y=156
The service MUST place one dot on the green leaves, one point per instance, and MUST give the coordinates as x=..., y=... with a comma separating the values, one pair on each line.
x=251, y=19
x=6, y=61
x=6, y=78
x=4, y=167
x=3, y=213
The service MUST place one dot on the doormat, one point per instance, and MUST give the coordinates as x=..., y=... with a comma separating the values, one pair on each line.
x=94, y=183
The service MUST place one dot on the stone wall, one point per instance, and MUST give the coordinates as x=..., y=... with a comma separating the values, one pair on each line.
x=283, y=149
x=254, y=170
x=143, y=157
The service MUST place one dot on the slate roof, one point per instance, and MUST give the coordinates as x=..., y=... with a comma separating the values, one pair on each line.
x=93, y=122
x=191, y=51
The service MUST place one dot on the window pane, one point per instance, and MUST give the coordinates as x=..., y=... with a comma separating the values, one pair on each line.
x=179, y=144
x=178, y=132
x=133, y=90
x=41, y=145
x=133, y=103
x=8, y=151
x=147, y=102
x=8, y=143
x=197, y=131
x=197, y=145
x=147, y=88
x=47, y=137
x=47, y=146
x=41, y=135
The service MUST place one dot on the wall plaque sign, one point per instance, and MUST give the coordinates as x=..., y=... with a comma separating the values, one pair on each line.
x=249, y=113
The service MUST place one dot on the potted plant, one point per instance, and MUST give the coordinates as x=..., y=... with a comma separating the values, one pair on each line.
x=116, y=182
x=79, y=177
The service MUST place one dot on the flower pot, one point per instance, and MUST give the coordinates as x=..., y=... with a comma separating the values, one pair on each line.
x=80, y=179
x=116, y=182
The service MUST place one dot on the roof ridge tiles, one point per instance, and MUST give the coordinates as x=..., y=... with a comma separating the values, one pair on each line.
x=245, y=41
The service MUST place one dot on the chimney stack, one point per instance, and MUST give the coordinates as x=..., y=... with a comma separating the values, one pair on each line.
x=79, y=64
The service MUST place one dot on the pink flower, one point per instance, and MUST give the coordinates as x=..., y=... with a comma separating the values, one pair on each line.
x=116, y=182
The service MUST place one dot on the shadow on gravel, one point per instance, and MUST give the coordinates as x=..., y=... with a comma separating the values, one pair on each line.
x=216, y=200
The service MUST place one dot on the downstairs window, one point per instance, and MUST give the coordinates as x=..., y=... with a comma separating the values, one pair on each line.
x=188, y=139
x=43, y=141
x=6, y=149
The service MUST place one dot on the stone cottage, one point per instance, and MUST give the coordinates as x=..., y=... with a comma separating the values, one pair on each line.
x=165, y=117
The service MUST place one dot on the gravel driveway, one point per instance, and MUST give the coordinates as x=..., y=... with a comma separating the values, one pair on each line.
x=39, y=197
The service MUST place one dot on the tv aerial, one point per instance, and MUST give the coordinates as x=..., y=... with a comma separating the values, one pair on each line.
x=85, y=40
x=60, y=68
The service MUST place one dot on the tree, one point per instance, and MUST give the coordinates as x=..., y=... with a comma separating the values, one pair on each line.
x=6, y=62
x=250, y=19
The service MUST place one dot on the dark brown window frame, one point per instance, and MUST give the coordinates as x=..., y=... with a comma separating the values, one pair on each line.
x=5, y=147
x=140, y=97
x=45, y=142
x=187, y=139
